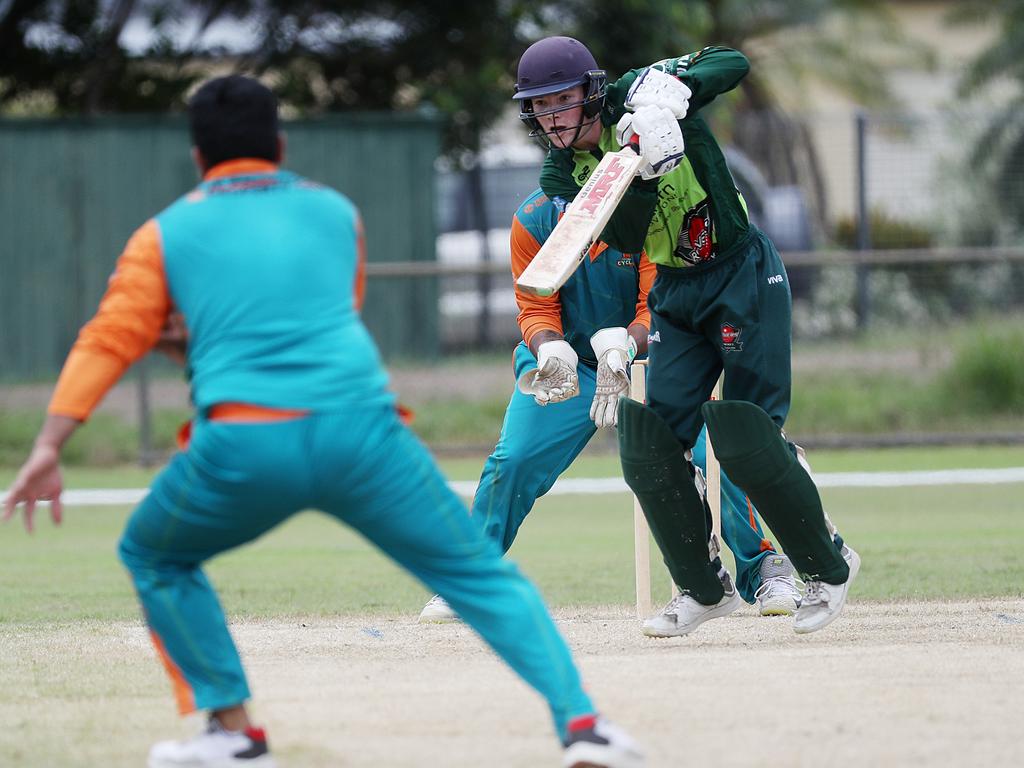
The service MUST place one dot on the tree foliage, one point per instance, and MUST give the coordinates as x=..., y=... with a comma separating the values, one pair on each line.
x=70, y=55
x=998, y=154
x=793, y=45
x=459, y=57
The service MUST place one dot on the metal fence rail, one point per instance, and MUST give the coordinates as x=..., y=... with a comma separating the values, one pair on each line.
x=830, y=258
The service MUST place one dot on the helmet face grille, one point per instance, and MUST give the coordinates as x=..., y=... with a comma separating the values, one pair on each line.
x=592, y=103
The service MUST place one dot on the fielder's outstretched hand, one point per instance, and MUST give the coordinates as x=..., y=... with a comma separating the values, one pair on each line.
x=173, y=340
x=38, y=480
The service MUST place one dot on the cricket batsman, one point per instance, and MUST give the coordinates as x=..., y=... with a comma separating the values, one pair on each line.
x=720, y=302
x=571, y=368
x=292, y=412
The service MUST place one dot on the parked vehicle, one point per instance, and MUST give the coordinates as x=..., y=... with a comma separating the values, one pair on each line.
x=474, y=228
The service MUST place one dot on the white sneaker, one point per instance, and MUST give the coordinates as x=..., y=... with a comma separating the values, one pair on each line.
x=778, y=594
x=823, y=602
x=594, y=742
x=214, y=748
x=683, y=614
x=437, y=611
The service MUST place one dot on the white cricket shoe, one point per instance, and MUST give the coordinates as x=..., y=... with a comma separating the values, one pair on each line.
x=437, y=611
x=683, y=614
x=822, y=602
x=215, y=747
x=778, y=594
x=594, y=742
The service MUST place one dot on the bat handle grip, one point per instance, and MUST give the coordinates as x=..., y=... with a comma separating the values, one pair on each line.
x=634, y=144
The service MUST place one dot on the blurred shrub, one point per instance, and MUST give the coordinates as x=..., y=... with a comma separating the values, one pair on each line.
x=987, y=374
x=17, y=431
x=886, y=232
x=455, y=423
x=105, y=441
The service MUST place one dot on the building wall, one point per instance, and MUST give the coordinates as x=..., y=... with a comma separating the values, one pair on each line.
x=911, y=152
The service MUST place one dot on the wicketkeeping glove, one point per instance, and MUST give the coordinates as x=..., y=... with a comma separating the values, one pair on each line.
x=661, y=140
x=660, y=89
x=554, y=379
x=614, y=348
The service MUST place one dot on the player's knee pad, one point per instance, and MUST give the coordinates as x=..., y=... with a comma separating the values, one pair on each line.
x=646, y=444
x=754, y=454
x=656, y=468
x=748, y=444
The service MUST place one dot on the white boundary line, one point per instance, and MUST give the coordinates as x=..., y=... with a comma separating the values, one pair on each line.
x=592, y=485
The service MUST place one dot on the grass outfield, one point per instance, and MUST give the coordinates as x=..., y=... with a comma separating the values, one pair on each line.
x=606, y=464
x=941, y=542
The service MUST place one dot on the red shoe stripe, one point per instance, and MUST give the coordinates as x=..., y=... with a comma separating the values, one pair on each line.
x=582, y=723
x=256, y=734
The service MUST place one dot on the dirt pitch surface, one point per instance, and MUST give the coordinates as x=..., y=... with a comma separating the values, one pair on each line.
x=905, y=684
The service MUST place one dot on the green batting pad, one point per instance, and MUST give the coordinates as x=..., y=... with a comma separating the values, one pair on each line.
x=655, y=467
x=756, y=457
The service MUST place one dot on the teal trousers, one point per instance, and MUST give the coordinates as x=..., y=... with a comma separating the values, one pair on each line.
x=236, y=481
x=538, y=443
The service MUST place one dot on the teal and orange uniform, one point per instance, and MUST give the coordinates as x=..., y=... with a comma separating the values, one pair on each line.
x=292, y=413
x=537, y=444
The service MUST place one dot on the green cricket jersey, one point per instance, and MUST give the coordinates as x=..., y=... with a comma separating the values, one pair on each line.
x=690, y=214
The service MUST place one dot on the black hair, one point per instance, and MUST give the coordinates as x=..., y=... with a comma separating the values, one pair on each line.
x=232, y=117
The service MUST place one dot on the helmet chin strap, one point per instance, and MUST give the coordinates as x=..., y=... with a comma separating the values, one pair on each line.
x=545, y=137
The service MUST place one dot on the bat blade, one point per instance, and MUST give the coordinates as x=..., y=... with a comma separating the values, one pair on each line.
x=581, y=225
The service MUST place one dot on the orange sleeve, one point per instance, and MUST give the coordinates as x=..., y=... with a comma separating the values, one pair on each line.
x=535, y=313
x=360, y=264
x=648, y=271
x=124, y=328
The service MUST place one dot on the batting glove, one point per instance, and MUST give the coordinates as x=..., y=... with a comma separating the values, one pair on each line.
x=661, y=140
x=659, y=89
x=614, y=348
x=555, y=378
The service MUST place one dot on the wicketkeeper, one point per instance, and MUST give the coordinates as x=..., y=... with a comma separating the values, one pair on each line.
x=721, y=301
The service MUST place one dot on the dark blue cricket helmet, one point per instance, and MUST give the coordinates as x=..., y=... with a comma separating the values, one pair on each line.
x=555, y=64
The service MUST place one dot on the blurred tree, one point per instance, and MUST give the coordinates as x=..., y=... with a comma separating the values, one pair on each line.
x=368, y=54
x=70, y=56
x=66, y=57
x=792, y=44
x=998, y=154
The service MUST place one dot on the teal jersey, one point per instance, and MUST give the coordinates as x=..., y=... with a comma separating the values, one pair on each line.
x=263, y=267
x=604, y=292
x=690, y=214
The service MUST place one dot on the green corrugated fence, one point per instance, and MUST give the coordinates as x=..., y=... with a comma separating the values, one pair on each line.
x=72, y=192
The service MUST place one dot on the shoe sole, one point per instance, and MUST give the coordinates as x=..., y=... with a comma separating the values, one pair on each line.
x=716, y=613
x=586, y=755
x=439, y=620
x=854, y=570
x=263, y=761
x=777, y=612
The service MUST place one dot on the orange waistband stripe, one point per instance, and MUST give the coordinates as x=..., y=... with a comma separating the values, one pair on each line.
x=244, y=412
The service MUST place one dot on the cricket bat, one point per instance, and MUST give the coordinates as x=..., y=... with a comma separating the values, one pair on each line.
x=582, y=224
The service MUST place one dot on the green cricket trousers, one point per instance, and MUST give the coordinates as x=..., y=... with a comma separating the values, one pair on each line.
x=731, y=314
